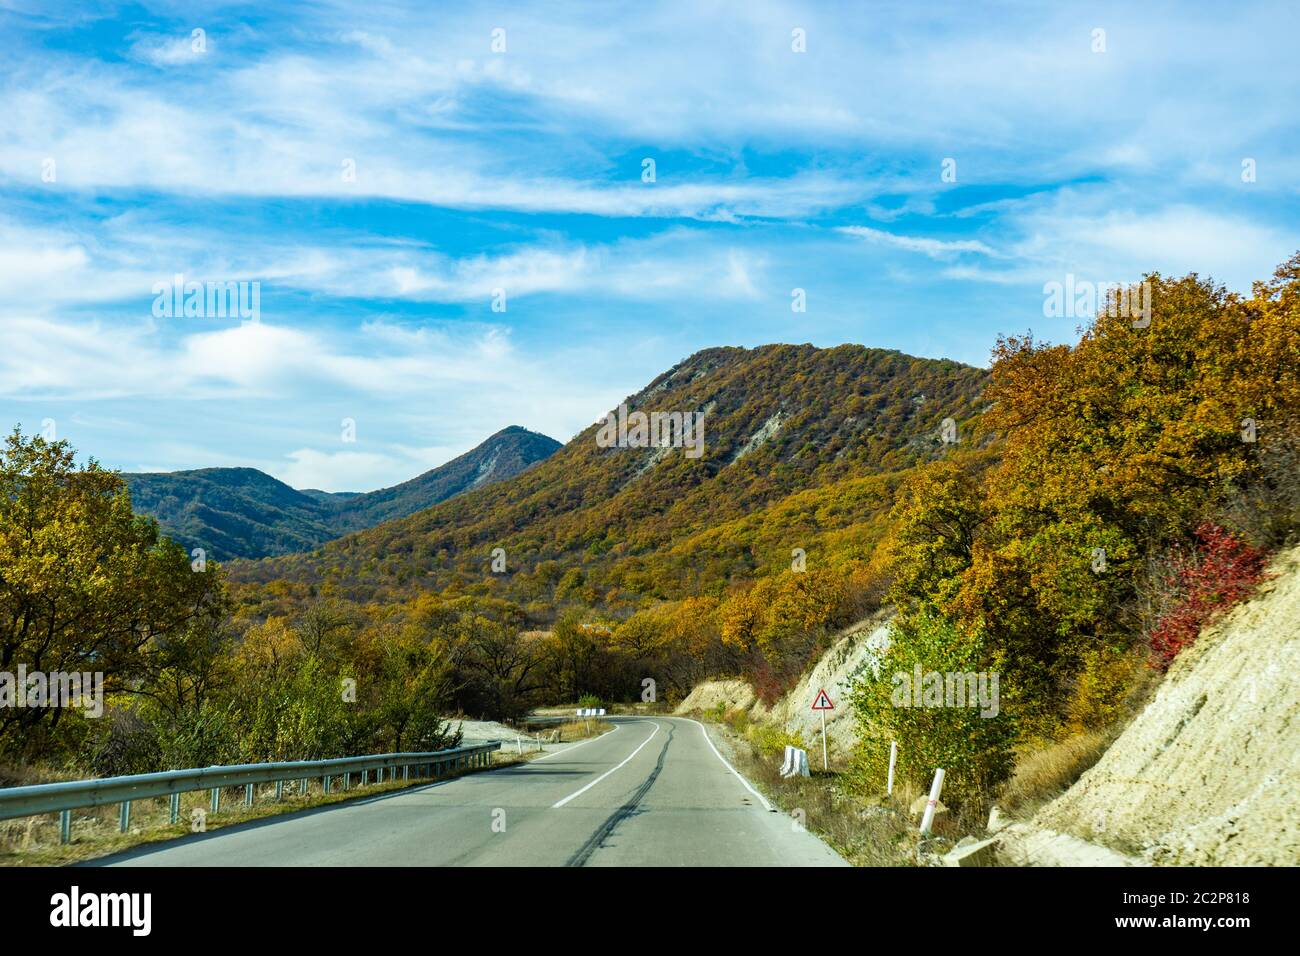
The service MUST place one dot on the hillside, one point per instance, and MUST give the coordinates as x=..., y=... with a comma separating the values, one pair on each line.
x=245, y=513
x=1207, y=773
x=800, y=444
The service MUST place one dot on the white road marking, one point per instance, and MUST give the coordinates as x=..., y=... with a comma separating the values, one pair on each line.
x=617, y=728
x=766, y=806
x=579, y=793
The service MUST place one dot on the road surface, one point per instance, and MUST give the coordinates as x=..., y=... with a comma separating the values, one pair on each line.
x=651, y=792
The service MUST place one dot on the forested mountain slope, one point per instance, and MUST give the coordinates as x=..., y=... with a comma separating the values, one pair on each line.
x=797, y=443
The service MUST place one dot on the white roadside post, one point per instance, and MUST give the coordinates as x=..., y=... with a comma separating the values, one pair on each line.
x=935, y=789
x=823, y=703
x=893, y=759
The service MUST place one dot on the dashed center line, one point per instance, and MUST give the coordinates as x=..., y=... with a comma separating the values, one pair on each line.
x=578, y=793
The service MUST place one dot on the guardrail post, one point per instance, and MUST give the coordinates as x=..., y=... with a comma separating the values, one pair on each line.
x=302, y=787
x=65, y=826
x=325, y=784
x=216, y=799
x=279, y=790
x=347, y=780
x=406, y=771
x=174, y=805
x=248, y=795
x=125, y=818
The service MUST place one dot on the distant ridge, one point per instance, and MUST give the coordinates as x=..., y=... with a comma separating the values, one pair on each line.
x=245, y=513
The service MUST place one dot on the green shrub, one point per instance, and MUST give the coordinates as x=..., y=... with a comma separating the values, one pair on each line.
x=1102, y=684
x=975, y=751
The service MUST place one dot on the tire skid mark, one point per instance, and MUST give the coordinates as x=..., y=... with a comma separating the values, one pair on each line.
x=606, y=829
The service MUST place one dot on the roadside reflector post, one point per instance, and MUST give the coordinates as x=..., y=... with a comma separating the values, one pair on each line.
x=935, y=789
x=65, y=826
x=893, y=759
x=175, y=807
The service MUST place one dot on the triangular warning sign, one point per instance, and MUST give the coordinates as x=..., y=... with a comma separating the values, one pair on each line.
x=823, y=702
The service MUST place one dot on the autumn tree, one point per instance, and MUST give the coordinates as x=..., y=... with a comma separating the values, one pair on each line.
x=85, y=584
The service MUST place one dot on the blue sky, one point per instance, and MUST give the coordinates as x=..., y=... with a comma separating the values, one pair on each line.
x=133, y=149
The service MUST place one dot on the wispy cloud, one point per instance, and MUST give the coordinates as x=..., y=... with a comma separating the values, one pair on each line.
x=934, y=248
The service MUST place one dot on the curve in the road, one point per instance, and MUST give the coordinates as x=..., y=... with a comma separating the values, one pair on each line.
x=614, y=800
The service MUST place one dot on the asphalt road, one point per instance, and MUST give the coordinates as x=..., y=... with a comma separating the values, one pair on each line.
x=651, y=792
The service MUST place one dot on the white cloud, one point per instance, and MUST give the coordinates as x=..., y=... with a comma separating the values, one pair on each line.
x=166, y=51
x=340, y=470
x=934, y=248
x=1103, y=234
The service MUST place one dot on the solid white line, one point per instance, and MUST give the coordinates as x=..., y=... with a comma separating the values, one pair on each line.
x=617, y=728
x=607, y=772
x=766, y=806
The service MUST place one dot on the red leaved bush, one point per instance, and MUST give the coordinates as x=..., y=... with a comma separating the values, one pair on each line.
x=769, y=684
x=1220, y=571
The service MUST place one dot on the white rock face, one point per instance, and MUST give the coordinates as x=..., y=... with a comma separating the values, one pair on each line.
x=1208, y=773
x=857, y=646
x=730, y=694
x=760, y=437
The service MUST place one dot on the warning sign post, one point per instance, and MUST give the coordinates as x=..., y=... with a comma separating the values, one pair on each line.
x=823, y=704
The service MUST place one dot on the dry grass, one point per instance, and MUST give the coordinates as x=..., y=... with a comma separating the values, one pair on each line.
x=866, y=832
x=1043, y=775
x=34, y=841
x=581, y=729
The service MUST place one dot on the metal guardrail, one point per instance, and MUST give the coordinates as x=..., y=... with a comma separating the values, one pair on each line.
x=63, y=798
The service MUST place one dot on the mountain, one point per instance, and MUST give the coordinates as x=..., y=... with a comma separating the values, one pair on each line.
x=245, y=513
x=504, y=455
x=801, y=449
